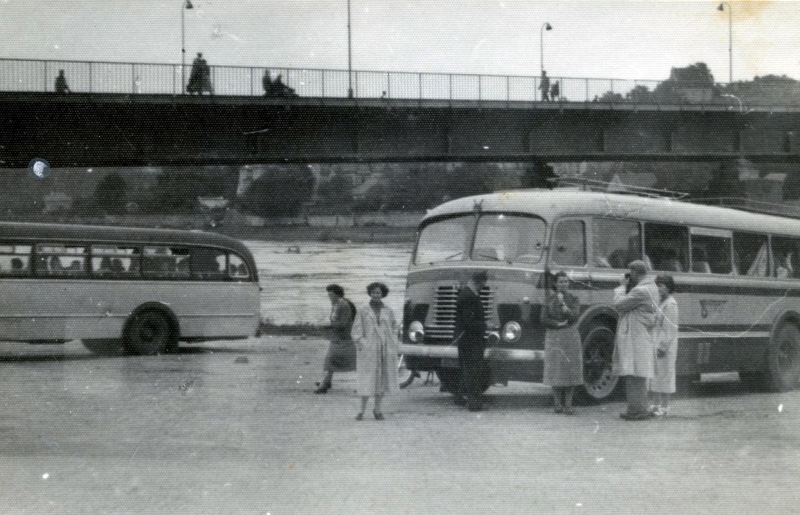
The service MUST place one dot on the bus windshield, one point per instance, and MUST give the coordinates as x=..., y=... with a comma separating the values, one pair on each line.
x=498, y=237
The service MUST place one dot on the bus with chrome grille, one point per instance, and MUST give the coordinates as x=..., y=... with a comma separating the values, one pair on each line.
x=737, y=277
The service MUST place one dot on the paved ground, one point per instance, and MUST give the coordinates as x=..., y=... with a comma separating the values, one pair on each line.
x=232, y=427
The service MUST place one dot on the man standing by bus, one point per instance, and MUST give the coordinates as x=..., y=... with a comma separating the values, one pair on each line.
x=637, y=305
x=470, y=330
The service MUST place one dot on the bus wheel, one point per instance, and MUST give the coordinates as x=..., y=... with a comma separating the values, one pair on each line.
x=448, y=379
x=598, y=348
x=149, y=333
x=108, y=347
x=783, y=359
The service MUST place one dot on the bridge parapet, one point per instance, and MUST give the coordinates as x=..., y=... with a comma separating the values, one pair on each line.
x=38, y=76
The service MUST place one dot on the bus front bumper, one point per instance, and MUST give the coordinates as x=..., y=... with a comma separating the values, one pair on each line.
x=450, y=352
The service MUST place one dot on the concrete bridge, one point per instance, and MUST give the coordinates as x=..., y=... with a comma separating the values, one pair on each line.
x=88, y=127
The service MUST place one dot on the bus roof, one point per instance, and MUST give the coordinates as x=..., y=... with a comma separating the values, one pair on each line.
x=551, y=204
x=22, y=231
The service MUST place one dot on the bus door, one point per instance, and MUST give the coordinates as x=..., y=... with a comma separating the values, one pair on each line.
x=568, y=253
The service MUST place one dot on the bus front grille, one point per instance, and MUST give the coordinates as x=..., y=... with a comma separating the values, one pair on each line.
x=444, y=311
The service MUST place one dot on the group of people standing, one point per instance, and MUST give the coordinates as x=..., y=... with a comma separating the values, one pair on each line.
x=647, y=340
x=646, y=345
x=365, y=339
x=548, y=92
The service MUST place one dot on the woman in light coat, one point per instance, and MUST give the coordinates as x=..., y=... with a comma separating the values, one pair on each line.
x=375, y=335
x=666, y=342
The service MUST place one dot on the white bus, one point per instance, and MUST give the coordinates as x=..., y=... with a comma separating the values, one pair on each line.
x=144, y=288
x=737, y=277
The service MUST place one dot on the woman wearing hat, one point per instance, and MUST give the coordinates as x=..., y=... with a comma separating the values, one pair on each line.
x=341, y=355
x=375, y=335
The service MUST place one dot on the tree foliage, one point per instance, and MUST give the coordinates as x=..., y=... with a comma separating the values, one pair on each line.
x=279, y=192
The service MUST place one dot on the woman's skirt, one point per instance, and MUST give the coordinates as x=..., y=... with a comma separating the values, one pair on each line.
x=341, y=356
x=563, y=357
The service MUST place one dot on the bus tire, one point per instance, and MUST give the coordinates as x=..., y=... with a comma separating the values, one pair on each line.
x=599, y=383
x=150, y=332
x=783, y=358
x=105, y=347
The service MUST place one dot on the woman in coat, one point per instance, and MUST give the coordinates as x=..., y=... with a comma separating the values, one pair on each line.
x=375, y=335
x=666, y=342
x=563, y=355
x=341, y=355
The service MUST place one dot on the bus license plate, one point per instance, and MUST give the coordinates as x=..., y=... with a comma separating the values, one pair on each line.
x=449, y=363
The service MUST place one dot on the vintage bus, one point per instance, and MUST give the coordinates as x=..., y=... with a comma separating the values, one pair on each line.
x=737, y=278
x=141, y=290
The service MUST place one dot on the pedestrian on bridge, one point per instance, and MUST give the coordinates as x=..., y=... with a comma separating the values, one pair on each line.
x=61, y=84
x=544, y=86
x=266, y=82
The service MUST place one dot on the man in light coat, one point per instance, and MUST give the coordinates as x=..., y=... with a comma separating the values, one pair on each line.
x=637, y=305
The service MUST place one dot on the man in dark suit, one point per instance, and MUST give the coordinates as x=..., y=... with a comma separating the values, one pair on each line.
x=469, y=334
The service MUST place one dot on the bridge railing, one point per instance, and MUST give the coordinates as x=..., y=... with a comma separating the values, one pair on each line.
x=21, y=75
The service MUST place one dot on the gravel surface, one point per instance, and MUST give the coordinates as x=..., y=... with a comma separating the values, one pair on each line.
x=233, y=427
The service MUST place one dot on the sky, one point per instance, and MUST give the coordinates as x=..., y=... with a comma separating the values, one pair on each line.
x=596, y=39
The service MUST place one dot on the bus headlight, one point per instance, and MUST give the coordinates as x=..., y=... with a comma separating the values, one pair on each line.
x=493, y=338
x=512, y=332
x=416, y=332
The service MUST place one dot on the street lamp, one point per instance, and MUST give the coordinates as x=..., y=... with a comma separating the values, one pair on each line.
x=545, y=27
x=730, y=39
x=187, y=4
x=349, y=56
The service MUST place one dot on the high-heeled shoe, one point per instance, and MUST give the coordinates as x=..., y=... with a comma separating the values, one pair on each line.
x=378, y=415
x=322, y=388
x=360, y=416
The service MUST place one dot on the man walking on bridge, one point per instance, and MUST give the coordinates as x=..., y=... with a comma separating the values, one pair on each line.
x=544, y=86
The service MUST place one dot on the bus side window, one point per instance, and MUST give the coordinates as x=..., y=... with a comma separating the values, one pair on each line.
x=15, y=260
x=616, y=242
x=711, y=254
x=667, y=246
x=785, y=257
x=208, y=264
x=237, y=269
x=750, y=254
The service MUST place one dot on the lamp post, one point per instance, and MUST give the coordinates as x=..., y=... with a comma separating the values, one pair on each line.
x=545, y=26
x=349, y=56
x=730, y=39
x=186, y=4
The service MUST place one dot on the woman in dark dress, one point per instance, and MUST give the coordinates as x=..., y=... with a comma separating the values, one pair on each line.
x=341, y=355
x=563, y=356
